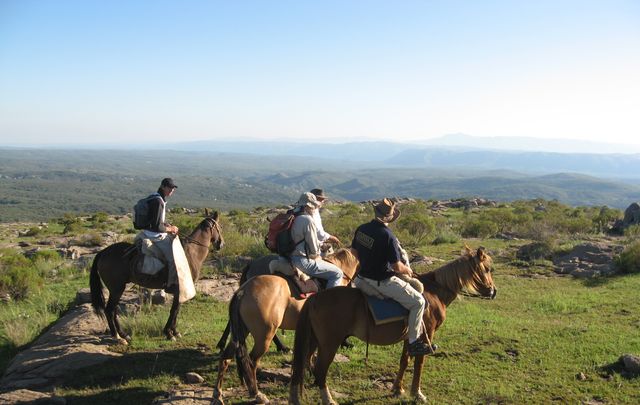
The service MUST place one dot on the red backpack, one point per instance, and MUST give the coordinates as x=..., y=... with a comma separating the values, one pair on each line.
x=278, y=239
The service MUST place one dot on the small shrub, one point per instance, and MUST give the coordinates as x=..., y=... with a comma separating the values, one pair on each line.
x=19, y=281
x=99, y=217
x=629, y=260
x=92, y=239
x=33, y=231
x=72, y=228
x=479, y=228
x=445, y=237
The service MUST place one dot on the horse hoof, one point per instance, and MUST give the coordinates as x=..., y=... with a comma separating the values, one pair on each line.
x=420, y=397
x=177, y=334
x=397, y=392
x=122, y=341
x=261, y=398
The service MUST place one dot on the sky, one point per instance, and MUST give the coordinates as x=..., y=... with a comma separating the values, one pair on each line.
x=96, y=72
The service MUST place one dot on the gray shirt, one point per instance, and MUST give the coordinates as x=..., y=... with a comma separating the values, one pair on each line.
x=304, y=230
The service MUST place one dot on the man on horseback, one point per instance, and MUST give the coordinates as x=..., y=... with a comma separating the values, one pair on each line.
x=306, y=254
x=160, y=232
x=324, y=237
x=380, y=261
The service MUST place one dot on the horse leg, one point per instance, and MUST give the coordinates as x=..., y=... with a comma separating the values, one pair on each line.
x=415, y=383
x=404, y=362
x=282, y=348
x=260, y=347
x=326, y=353
x=170, y=328
x=223, y=364
x=111, y=313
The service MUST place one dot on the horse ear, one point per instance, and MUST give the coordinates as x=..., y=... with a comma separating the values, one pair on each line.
x=481, y=254
x=207, y=212
x=215, y=216
x=467, y=249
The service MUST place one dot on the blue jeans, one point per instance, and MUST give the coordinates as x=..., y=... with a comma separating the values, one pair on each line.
x=319, y=269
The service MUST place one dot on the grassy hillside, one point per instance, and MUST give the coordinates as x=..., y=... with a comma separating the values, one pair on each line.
x=546, y=338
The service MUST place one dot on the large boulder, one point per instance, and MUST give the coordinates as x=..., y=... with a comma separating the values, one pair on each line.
x=631, y=215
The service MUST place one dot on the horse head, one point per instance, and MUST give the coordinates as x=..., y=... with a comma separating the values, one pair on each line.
x=346, y=259
x=211, y=224
x=482, y=267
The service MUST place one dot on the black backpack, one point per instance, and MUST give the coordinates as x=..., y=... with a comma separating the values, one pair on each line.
x=141, y=219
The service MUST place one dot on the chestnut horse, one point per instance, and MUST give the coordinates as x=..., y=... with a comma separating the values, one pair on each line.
x=114, y=268
x=261, y=306
x=324, y=321
x=256, y=267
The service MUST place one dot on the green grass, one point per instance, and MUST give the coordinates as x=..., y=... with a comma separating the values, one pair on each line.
x=527, y=346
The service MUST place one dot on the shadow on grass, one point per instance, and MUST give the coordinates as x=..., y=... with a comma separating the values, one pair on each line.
x=616, y=368
x=601, y=281
x=134, y=378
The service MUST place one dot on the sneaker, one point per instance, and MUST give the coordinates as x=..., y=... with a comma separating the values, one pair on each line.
x=419, y=348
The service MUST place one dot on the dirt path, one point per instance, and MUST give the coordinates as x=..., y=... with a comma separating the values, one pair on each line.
x=78, y=340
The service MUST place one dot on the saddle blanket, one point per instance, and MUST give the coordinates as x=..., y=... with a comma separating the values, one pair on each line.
x=386, y=310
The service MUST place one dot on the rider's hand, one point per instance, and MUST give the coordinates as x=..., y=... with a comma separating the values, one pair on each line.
x=173, y=230
x=334, y=239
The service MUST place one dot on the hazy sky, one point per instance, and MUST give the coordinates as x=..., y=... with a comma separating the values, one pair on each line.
x=113, y=71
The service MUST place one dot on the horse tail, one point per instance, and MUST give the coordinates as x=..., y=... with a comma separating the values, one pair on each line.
x=97, y=298
x=222, y=343
x=245, y=270
x=239, y=334
x=304, y=344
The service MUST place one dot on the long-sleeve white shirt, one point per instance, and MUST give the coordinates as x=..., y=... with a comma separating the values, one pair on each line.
x=322, y=235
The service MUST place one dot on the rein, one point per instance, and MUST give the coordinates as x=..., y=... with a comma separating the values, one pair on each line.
x=211, y=225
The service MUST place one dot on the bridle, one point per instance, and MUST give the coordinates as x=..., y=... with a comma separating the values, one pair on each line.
x=211, y=224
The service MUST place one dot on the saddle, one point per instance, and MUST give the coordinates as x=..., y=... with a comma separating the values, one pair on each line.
x=143, y=263
x=301, y=285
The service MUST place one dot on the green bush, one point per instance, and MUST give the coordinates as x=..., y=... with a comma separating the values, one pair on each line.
x=445, y=237
x=33, y=231
x=19, y=281
x=629, y=260
x=479, y=228
x=418, y=227
x=99, y=217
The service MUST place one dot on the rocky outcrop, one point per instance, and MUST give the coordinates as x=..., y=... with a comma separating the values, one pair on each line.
x=588, y=260
x=77, y=340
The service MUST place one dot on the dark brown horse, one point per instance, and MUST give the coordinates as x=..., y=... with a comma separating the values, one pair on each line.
x=324, y=322
x=114, y=267
x=260, y=306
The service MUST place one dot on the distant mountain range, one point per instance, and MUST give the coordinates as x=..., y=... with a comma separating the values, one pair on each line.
x=469, y=154
x=41, y=184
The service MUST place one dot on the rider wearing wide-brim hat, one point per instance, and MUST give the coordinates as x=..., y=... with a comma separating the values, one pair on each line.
x=381, y=260
x=306, y=254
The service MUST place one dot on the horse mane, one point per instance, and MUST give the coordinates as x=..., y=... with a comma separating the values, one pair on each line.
x=343, y=256
x=460, y=274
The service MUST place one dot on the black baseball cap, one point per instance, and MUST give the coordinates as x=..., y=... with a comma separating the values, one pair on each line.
x=168, y=182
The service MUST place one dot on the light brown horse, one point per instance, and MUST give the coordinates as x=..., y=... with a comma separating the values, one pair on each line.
x=261, y=306
x=114, y=267
x=324, y=322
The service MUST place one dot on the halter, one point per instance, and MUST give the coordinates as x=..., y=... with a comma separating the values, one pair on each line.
x=211, y=224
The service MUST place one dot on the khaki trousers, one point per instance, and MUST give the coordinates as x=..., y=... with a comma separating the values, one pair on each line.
x=406, y=296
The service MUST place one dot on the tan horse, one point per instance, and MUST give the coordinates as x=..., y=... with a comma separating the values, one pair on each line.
x=114, y=268
x=261, y=306
x=324, y=322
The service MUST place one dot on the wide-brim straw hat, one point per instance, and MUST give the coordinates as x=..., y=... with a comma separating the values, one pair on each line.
x=386, y=211
x=308, y=200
